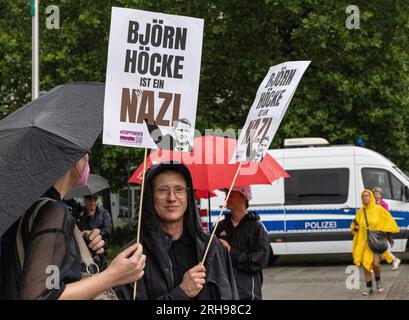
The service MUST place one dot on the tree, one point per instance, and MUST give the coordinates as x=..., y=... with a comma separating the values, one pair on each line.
x=356, y=85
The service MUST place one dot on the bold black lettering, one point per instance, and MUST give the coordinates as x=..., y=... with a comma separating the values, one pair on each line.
x=178, y=67
x=291, y=76
x=154, y=69
x=167, y=66
x=143, y=62
x=168, y=37
x=180, y=39
x=156, y=37
x=133, y=32
x=145, y=41
x=130, y=60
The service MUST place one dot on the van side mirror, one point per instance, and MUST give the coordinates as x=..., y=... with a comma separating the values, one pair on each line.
x=405, y=192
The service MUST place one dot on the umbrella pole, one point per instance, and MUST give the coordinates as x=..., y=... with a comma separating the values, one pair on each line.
x=209, y=213
x=140, y=211
x=34, y=6
x=220, y=214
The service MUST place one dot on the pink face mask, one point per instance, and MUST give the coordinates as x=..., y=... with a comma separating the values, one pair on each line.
x=82, y=181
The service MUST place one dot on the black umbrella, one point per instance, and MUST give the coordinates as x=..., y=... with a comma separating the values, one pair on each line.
x=95, y=184
x=42, y=140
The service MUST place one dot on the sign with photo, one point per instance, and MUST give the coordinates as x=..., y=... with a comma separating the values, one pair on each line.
x=268, y=109
x=152, y=80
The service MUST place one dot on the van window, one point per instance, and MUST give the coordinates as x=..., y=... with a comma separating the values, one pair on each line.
x=317, y=186
x=390, y=185
x=396, y=187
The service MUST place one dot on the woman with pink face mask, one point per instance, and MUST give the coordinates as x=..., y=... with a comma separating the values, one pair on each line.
x=41, y=255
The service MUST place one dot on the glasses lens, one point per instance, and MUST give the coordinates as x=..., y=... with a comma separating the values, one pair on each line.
x=180, y=192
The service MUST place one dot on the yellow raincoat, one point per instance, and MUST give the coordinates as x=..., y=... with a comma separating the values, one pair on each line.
x=379, y=219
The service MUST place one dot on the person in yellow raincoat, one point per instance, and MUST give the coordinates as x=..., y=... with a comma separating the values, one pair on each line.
x=379, y=220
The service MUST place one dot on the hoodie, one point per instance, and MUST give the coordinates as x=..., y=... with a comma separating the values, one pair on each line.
x=158, y=281
x=250, y=250
x=379, y=220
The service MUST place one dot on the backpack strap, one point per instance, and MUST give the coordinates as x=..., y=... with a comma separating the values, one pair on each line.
x=86, y=257
x=19, y=236
x=366, y=219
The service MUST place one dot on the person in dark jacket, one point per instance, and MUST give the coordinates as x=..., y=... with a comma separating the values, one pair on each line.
x=92, y=218
x=174, y=244
x=95, y=217
x=178, y=142
x=247, y=241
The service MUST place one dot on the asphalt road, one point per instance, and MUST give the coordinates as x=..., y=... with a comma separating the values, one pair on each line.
x=324, y=277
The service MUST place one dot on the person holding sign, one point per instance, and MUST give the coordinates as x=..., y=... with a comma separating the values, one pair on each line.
x=174, y=243
x=247, y=241
x=268, y=109
x=152, y=81
x=152, y=76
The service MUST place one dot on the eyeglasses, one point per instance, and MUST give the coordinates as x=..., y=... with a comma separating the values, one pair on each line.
x=164, y=192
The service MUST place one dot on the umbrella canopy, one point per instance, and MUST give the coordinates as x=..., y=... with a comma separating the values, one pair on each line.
x=95, y=184
x=42, y=140
x=209, y=165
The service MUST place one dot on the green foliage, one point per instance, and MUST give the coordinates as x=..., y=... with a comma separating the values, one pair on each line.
x=356, y=86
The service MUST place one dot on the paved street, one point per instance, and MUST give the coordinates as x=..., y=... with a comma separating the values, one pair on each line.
x=323, y=277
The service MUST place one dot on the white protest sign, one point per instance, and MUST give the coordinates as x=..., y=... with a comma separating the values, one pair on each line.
x=268, y=109
x=152, y=79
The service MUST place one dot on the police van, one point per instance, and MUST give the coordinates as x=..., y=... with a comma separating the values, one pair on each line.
x=311, y=211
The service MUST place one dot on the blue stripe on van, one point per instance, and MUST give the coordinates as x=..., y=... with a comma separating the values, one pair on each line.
x=402, y=219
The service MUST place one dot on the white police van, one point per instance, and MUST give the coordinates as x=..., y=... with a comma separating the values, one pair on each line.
x=311, y=211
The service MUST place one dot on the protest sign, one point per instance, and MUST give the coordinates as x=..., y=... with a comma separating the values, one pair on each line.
x=268, y=109
x=152, y=80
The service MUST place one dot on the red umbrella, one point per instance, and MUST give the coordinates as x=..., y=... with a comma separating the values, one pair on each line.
x=209, y=165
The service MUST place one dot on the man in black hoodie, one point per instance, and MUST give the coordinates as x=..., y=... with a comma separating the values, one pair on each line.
x=174, y=243
x=247, y=241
